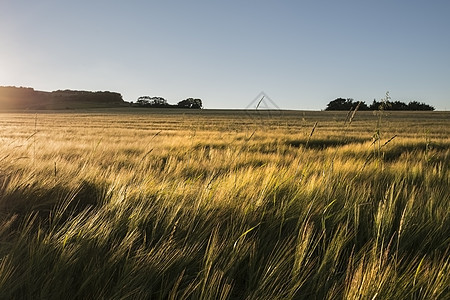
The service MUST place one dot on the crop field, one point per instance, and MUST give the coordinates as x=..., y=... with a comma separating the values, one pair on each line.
x=206, y=204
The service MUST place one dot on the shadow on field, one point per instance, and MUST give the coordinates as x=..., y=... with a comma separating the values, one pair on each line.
x=395, y=152
x=321, y=144
x=25, y=198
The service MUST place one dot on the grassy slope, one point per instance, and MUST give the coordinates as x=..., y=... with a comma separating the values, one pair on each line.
x=224, y=205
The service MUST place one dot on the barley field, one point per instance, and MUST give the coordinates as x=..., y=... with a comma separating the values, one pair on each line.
x=206, y=204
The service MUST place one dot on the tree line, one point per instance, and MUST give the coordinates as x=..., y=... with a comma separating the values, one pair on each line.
x=99, y=96
x=349, y=103
x=160, y=102
x=28, y=98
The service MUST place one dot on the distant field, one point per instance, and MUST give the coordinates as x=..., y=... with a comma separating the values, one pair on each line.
x=210, y=204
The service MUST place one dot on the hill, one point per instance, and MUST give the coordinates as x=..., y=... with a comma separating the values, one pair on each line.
x=28, y=98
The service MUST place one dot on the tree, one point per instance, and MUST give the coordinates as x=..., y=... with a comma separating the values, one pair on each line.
x=152, y=101
x=375, y=105
x=143, y=101
x=415, y=105
x=398, y=105
x=341, y=104
x=158, y=101
x=363, y=105
x=190, y=103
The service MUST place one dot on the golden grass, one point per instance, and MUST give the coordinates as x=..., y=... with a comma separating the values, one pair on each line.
x=204, y=204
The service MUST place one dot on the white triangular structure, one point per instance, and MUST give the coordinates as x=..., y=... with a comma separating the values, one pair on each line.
x=262, y=101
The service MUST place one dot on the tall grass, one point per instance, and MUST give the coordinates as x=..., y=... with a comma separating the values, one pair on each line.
x=211, y=205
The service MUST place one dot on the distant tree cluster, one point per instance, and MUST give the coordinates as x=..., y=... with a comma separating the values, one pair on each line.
x=16, y=90
x=99, y=97
x=190, y=103
x=349, y=103
x=27, y=98
x=159, y=102
x=152, y=101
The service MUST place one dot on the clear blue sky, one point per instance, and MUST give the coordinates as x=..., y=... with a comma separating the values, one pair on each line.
x=303, y=54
